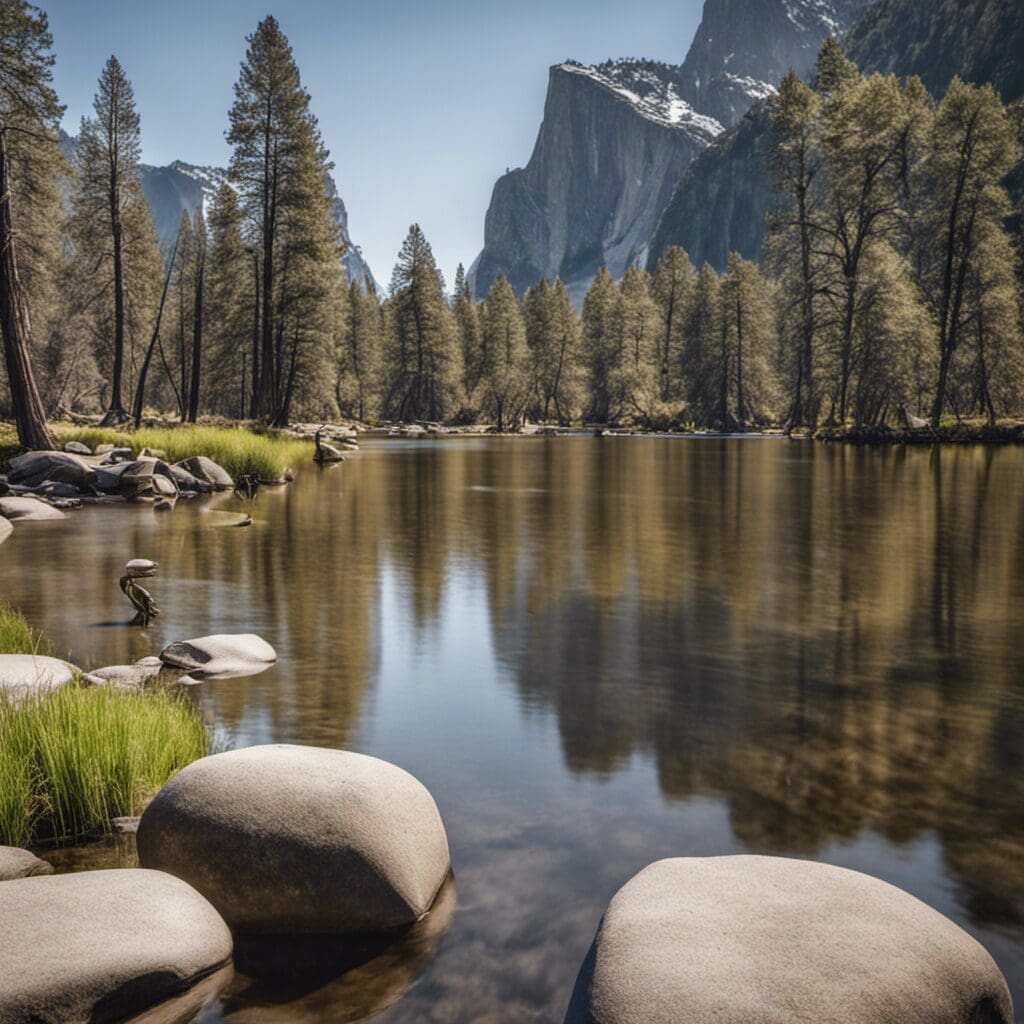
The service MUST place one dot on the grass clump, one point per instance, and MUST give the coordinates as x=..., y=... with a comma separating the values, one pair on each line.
x=18, y=637
x=74, y=759
x=237, y=449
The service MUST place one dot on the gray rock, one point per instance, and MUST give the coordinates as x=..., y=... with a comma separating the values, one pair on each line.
x=57, y=489
x=5, y=529
x=18, y=863
x=187, y=482
x=26, y=506
x=220, y=656
x=769, y=939
x=300, y=840
x=28, y=675
x=164, y=486
x=114, y=455
x=127, y=677
x=77, y=448
x=33, y=468
x=140, y=568
x=101, y=945
x=206, y=469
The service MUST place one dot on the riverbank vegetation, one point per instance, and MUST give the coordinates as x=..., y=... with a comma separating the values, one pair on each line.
x=890, y=288
x=74, y=759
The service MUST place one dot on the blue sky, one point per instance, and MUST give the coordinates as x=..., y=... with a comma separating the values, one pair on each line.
x=423, y=103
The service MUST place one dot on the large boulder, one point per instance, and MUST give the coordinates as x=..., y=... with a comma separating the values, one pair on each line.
x=18, y=863
x=101, y=945
x=742, y=939
x=206, y=469
x=221, y=656
x=300, y=840
x=32, y=468
x=30, y=675
x=29, y=508
x=187, y=482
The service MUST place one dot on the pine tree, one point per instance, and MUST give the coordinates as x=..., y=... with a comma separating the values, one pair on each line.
x=601, y=346
x=198, y=312
x=467, y=321
x=702, y=350
x=797, y=161
x=423, y=368
x=29, y=158
x=229, y=303
x=746, y=383
x=553, y=338
x=359, y=361
x=675, y=280
x=280, y=165
x=110, y=213
x=505, y=373
x=972, y=148
x=636, y=324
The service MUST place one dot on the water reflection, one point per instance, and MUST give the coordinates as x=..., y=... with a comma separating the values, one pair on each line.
x=596, y=652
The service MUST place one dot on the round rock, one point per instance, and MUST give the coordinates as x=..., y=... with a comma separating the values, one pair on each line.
x=101, y=945
x=221, y=656
x=29, y=675
x=28, y=508
x=300, y=840
x=742, y=939
x=206, y=469
x=18, y=863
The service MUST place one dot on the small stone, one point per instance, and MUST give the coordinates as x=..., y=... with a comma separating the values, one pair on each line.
x=77, y=448
x=18, y=863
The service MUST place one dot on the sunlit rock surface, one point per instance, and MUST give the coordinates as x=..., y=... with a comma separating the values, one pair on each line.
x=773, y=940
x=101, y=945
x=28, y=675
x=288, y=839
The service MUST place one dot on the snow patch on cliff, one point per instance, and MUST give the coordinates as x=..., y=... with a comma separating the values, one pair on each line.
x=650, y=88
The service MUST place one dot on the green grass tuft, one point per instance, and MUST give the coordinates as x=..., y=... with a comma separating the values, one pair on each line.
x=237, y=449
x=73, y=760
x=17, y=636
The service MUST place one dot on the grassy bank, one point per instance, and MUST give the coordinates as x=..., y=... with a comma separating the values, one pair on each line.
x=948, y=432
x=237, y=449
x=73, y=760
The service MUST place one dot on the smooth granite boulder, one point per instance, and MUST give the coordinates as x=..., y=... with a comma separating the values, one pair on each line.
x=30, y=675
x=77, y=448
x=187, y=482
x=300, y=840
x=18, y=863
x=769, y=940
x=32, y=468
x=28, y=508
x=206, y=469
x=101, y=945
x=221, y=656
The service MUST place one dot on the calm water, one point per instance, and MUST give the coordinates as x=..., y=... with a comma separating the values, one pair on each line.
x=599, y=652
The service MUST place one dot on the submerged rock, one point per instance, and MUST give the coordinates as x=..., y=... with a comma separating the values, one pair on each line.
x=300, y=840
x=29, y=675
x=101, y=945
x=27, y=507
x=206, y=469
x=769, y=939
x=18, y=863
x=33, y=468
x=222, y=655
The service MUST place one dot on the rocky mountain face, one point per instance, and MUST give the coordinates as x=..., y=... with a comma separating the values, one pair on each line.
x=616, y=137
x=744, y=47
x=979, y=40
x=614, y=141
x=180, y=186
x=722, y=201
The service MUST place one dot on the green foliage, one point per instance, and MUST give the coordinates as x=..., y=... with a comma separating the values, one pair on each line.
x=505, y=367
x=237, y=449
x=73, y=760
x=17, y=636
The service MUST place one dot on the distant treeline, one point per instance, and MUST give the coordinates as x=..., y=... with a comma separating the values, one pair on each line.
x=891, y=283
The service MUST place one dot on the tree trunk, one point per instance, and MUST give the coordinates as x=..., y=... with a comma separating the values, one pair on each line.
x=197, y=338
x=115, y=412
x=140, y=387
x=29, y=417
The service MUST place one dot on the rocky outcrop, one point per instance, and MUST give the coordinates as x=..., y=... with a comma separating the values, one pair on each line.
x=614, y=141
x=744, y=47
x=981, y=41
x=721, y=201
x=102, y=945
x=741, y=939
x=300, y=840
